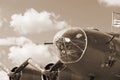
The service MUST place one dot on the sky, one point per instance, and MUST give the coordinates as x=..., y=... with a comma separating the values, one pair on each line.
x=26, y=24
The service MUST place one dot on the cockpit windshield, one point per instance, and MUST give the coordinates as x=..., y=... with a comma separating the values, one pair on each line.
x=71, y=44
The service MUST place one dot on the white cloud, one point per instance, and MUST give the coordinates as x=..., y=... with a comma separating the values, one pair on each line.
x=22, y=48
x=39, y=53
x=35, y=22
x=3, y=76
x=110, y=2
x=14, y=41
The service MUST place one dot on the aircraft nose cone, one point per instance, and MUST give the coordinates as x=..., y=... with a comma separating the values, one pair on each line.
x=71, y=44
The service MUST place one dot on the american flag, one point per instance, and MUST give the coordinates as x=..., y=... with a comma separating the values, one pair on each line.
x=116, y=19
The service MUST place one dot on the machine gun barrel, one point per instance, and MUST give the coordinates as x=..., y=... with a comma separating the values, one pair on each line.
x=48, y=43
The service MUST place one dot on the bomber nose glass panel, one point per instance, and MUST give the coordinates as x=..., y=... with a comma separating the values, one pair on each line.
x=71, y=44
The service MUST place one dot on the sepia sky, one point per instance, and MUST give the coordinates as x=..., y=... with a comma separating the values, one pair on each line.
x=26, y=24
x=83, y=13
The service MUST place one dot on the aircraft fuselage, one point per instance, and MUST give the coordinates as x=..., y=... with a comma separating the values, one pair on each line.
x=101, y=60
x=89, y=55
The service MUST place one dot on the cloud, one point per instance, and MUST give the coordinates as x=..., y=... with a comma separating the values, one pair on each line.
x=35, y=22
x=22, y=48
x=10, y=41
x=110, y=2
x=3, y=76
x=41, y=54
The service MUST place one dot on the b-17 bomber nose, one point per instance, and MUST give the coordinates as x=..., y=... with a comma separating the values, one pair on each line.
x=71, y=44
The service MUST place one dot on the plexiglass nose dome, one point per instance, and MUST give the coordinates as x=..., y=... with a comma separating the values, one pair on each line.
x=71, y=44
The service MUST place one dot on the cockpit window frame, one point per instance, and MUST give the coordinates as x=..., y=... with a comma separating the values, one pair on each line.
x=60, y=34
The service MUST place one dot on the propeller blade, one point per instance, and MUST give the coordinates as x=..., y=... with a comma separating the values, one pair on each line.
x=16, y=73
x=22, y=66
x=36, y=66
x=52, y=70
